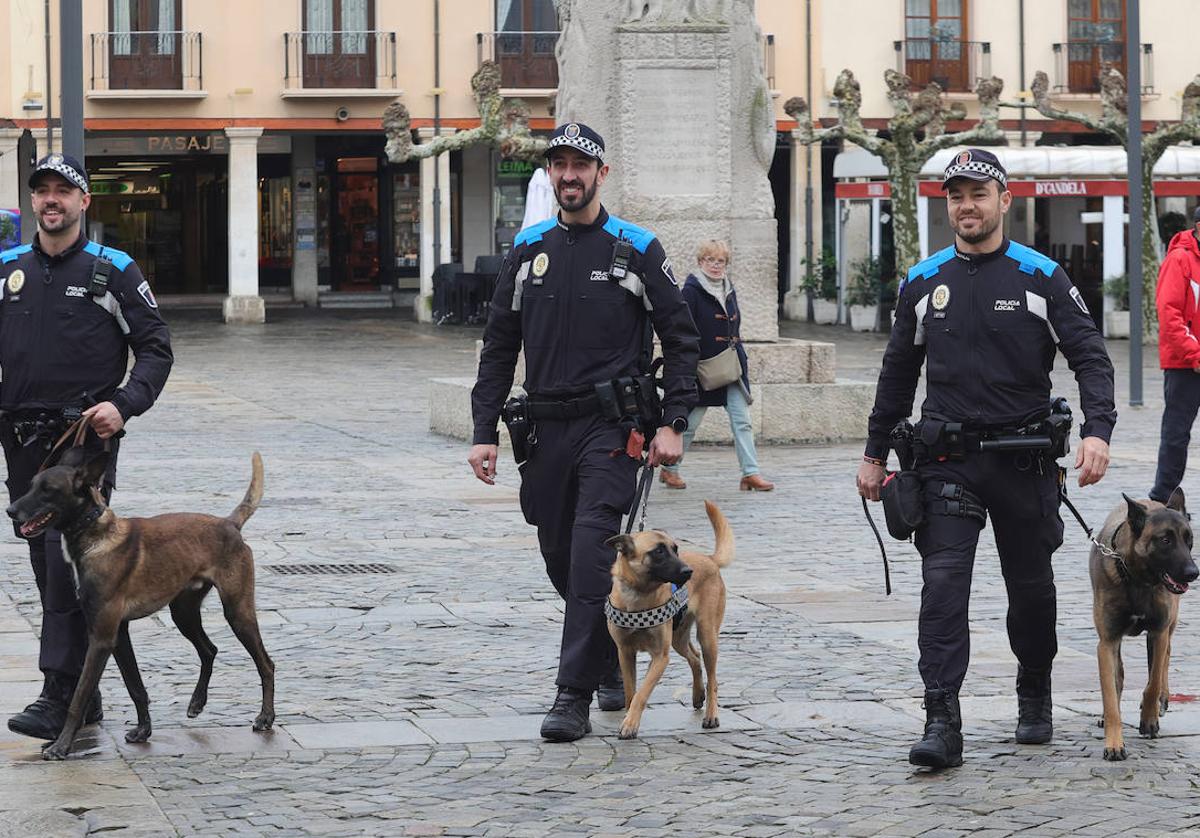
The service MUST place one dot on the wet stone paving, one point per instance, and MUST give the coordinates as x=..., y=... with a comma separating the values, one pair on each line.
x=409, y=697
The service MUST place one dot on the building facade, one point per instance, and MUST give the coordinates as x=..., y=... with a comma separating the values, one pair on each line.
x=1068, y=182
x=237, y=149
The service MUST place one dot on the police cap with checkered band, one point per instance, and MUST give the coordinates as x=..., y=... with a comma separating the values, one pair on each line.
x=64, y=166
x=578, y=136
x=976, y=164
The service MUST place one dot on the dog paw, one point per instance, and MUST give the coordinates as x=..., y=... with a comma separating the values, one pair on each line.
x=138, y=734
x=627, y=732
x=710, y=724
x=196, y=706
x=1114, y=754
x=1163, y=703
x=697, y=700
x=1149, y=729
x=264, y=721
x=56, y=751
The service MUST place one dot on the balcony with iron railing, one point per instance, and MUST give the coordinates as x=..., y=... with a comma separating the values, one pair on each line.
x=526, y=59
x=1078, y=65
x=957, y=66
x=339, y=63
x=146, y=64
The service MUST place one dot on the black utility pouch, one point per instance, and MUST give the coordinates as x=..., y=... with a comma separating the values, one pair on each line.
x=903, y=504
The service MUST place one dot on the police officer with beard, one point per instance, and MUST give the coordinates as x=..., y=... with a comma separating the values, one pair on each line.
x=71, y=311
x=579, y=293
x=986, y=317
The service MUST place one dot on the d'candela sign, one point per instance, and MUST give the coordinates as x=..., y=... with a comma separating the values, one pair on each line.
x=1047, y=188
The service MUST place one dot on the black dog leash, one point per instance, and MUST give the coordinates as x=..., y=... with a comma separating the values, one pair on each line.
x=887, y=575
x=641, y=497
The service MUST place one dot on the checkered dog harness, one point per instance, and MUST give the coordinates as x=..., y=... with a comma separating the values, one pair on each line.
x=651, y=617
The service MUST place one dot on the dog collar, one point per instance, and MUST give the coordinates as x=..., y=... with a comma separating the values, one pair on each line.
x=649, y=618
x=1122, y=568
x=85, y=520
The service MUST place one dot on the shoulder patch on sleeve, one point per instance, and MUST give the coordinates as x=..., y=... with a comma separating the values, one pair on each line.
x=1029, y=261
x=534, y=232
x=14, y=253
x=146, y=294
x=619, y=228
x=930, y=266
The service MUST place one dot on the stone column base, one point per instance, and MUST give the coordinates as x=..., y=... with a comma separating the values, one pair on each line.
x=245, y=309
x=423, y=309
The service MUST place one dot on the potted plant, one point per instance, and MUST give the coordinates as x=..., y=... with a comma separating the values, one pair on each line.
x=863, y=294
x=821, y=285
x=1116, y=322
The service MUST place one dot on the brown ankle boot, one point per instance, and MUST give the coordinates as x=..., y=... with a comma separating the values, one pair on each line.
x=756, y=483
x=671, y=479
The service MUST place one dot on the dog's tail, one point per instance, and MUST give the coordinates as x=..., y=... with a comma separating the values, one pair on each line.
x=723, y=552
x=253, y=497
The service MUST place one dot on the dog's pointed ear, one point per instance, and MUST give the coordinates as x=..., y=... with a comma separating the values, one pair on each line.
x=623, y=543
x=1177, y=501
x=1136, y=515
x=92, y=472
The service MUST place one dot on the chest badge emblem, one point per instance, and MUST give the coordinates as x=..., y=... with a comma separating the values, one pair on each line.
x=541, y=264
x=941, y=297
x=16, y=281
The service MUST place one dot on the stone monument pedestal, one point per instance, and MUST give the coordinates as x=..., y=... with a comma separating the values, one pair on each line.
x=796, y=398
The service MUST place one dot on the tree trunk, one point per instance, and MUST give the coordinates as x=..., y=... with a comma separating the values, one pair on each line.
x=1150, y=247
x=905, y=231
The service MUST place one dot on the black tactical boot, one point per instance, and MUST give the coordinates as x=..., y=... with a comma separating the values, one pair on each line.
x=611, y=693
x=45, y=717
x=941, y=746
x=568, y=718
x=1035, y=721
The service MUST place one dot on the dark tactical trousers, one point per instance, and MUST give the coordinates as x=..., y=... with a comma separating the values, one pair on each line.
x=1023, y=506
x=575, y=489
x=64, y=631
x=1181, y=396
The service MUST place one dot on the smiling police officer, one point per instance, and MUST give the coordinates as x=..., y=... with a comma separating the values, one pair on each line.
x=71, y=311
x=579, y=292
x=986, y=316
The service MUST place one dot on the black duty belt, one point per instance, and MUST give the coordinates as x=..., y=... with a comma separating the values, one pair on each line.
x=542, y=408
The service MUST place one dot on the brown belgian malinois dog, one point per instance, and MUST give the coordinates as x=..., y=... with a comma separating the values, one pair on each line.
x=1140, y=565
x=127, y=568
x=647, y=565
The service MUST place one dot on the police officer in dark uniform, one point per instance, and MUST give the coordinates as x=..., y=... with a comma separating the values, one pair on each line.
x=986, y=316
x=71, y=311
x=580, y=292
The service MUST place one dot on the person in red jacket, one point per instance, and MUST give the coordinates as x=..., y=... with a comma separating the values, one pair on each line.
x=1178, y=301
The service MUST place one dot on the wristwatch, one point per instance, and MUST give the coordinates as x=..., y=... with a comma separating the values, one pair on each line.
x=679, y=424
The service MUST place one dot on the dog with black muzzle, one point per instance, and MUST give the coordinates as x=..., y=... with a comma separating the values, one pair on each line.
x=641, y=613
x=1140, y=565
x=127, y=568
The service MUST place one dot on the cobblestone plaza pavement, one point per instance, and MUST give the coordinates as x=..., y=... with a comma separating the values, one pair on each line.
x=409, y=698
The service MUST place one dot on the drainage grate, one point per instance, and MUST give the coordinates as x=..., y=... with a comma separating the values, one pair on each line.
x=329, y=569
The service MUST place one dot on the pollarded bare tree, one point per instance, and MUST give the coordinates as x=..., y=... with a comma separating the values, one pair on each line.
x=917, y=133
x=504, y=125
x=1114, y=121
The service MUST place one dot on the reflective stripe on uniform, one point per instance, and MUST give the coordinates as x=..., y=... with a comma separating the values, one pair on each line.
x=634, y=285
x=109, y=303
x=518, y=285
x=1037, y=307
x=920, y=308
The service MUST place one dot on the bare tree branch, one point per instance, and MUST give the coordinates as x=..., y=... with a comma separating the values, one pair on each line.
x=502, y=126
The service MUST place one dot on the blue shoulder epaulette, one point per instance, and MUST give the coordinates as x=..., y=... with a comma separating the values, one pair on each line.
x=13, y=253
x=930, y=266
x=1029, y=261
x=534, y=232
x=639, y=237
x=119, y=258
